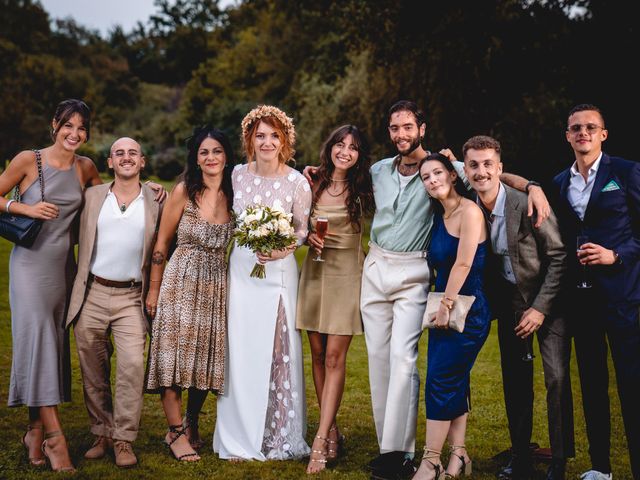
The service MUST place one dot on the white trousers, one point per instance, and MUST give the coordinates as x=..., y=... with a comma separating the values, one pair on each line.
x=393, y=300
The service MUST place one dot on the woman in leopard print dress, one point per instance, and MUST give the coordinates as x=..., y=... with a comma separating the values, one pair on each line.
x=188, y=301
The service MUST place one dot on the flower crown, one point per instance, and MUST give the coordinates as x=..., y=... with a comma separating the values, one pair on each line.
x=262, y=111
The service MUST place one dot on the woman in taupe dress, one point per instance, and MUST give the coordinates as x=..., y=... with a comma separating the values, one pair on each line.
x=329, y=292
x=188, y=300
x=41, y=278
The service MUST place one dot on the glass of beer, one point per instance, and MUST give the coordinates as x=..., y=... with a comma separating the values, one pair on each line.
x=322, y=226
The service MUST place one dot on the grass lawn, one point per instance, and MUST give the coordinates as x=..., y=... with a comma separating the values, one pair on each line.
x=487, y=431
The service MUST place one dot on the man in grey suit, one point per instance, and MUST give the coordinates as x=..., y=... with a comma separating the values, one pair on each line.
x=522, y=287
x=117, y=232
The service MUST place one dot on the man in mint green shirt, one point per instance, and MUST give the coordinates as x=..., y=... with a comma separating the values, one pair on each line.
x=395, y=283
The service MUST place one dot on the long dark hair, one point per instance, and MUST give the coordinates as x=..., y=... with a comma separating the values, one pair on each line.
x=360, y=197
x=192, y=175
x=458, y=184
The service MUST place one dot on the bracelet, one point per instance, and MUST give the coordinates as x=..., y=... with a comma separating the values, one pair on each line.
x=157, y=281
x=6, y=207
x=448, y=305
x=531, y=183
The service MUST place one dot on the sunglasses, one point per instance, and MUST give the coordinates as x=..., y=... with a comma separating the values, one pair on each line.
x=590, y=127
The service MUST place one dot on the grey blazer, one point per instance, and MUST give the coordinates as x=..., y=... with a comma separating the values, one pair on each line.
x=537, y=254
x=94, y=198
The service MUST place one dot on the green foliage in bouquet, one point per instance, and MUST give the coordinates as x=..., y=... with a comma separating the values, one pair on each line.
x=264, y=229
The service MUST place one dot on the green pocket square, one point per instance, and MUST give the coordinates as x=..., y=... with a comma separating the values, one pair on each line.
x=611, y=186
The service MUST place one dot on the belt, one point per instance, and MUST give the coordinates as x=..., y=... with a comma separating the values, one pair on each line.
x=113, y=283
x=381, y=252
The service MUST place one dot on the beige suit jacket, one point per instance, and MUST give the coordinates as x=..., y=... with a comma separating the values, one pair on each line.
x=94, y=198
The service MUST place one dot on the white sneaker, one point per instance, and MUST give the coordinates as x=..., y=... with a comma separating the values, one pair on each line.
x=596, y=475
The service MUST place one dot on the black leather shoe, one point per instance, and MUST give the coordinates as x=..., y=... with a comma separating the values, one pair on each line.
x=556, y=470
x=407, y=469
x=385, y=461
x=519, y=467
x=391, y=466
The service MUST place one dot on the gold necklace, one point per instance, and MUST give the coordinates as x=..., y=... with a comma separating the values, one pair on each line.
x=336, y=180
x=212, y=206
x=337, y=194
x=446, y=217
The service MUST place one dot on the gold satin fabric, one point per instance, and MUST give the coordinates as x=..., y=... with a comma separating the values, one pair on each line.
x=329, y=291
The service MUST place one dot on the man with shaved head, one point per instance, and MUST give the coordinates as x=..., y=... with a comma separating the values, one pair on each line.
x=117, y=232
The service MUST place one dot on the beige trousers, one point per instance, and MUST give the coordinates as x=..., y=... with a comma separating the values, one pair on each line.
x=393, y=299
x=116, y=311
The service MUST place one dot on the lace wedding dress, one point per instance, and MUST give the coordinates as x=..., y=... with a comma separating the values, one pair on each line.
x=262, y=414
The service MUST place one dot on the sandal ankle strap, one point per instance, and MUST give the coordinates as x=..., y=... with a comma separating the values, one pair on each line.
x=179, y=430
x=55, y=433
x=430, y=453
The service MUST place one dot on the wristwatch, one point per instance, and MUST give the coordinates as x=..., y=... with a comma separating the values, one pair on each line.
x=531, y=183
x=617, y=259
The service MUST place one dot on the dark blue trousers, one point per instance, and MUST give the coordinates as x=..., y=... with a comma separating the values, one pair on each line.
x=598, y=326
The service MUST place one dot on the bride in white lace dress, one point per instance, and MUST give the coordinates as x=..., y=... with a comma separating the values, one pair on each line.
x=262, y=414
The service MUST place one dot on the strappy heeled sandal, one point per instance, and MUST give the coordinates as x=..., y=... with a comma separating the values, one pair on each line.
x=33, y=461
x=47, y=436
x=192, y=424
x=321, y=461
x=178, y=430
x=465, y=468
x=427, y=456
x=338, y=445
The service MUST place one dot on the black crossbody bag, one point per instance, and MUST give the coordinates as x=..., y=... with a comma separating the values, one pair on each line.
x=19, y=229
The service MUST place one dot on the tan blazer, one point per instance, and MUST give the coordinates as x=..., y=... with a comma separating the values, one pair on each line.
x=94, y=198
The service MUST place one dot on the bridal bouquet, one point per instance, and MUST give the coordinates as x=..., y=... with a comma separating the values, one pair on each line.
x=264, y=229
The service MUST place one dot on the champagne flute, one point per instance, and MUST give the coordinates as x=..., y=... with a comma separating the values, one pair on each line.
x=584, y=281
x=528, y=354
x=322, y=226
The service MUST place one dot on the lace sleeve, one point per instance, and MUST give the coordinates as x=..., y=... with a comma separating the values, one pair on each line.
x=301, y=209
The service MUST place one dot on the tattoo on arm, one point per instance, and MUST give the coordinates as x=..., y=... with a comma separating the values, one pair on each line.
x=157, y=258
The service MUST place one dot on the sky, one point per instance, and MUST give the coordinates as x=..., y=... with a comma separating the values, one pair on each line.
x=103, y=15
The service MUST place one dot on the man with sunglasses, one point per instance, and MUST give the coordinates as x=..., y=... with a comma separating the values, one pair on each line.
x=599, y=197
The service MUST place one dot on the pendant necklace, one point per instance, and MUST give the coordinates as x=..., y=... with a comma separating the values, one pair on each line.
x=407, y=169
x=339, y=193
x=454, y=209
x=212, y=207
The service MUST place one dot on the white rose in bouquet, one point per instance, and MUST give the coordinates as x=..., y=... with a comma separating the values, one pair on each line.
x=264, y=229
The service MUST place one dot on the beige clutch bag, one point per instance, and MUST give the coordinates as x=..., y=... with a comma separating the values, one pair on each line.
x=457, y=315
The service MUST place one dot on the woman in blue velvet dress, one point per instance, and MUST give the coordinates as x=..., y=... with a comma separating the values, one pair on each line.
x=457, y=252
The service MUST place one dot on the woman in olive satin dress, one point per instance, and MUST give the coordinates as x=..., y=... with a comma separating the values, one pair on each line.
x=329, y=292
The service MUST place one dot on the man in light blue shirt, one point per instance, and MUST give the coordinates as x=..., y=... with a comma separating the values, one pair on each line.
x=395, y=283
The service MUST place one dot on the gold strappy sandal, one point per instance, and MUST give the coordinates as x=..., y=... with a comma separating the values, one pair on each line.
x=465, y=468
x=429, y=455
x=47, y=436
x=33, y=461
x=322, y=461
